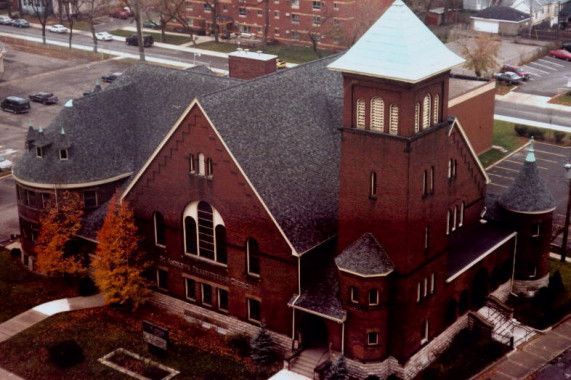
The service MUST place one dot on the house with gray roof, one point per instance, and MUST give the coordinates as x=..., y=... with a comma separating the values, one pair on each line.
x=337, y=203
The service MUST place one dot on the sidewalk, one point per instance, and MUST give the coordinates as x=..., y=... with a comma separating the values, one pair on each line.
x=530, y=357
x=28, y=318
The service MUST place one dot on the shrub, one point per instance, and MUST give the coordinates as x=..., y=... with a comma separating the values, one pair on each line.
x=239, y=342
x=66, y=353
x=536, y=133
x=559, y=136
x=338, y=370
x=521, y=130
x=263, y=348
x=556, y=282
x=86, y=286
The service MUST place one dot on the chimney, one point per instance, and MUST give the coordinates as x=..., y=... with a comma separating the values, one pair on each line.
x=245, y=64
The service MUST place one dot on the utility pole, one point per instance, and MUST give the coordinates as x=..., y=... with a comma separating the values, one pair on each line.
x=567, y=215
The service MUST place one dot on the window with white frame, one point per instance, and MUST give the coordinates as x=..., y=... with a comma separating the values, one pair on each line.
x=377, y=114
x=254, y=310
x=252, y=257
x=436, y=112
x=316, y=5
x=417, y=117
x=188, y=5
x=204, y=232
x=452, y=168
x=295, y=4
x=360, y=113
x=373, y=297
x=426, y=111
x=206, y=294
x=354, y=294
x=336, y=6
x=159, y=224
x=394, y=119
x=276, y=14
x=190, y=289
x=316, y=21
x=372, y=338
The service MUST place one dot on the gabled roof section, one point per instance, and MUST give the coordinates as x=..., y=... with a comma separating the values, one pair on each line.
x=365, y=258
x=528, y=193
x=502, y=14
x=455, y=124
x=398, y=46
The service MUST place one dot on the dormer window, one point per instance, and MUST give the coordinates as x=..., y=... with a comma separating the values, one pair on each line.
x=63, y=154
x=39, y=152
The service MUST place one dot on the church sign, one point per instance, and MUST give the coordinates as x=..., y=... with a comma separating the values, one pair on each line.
x=155, y=335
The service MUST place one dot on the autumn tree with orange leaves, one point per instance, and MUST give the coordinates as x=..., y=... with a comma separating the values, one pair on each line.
x=120, y=263
x=60, y=223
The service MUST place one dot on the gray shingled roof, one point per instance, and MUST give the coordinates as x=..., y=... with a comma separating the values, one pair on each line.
x=365, y=257
x=113, y=132
x=528, y=193
x=502, y=13
x=283, y=130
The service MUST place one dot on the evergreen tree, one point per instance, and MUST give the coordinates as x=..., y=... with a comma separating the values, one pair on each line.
x=59, y=224
x=338, y=370
x=119, y=263
x=262, y=347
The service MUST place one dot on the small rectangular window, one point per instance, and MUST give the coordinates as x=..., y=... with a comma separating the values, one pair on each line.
x=90, y=199
x=373, y=185
x=223, y=300
x=316, y=5
x=534, y=230
x=207, y=7
x=191, y=164
x=206, y=293
x=254, y=310
x=295, y=4
x=295, y=18
x=277, y=14
x=242, y=11
x=372, y=338
x=373, y=297
x=354, y=294
x=259, y=12
x=425, y=287
x=336, y=6
x=162, y=279
x=190, y=287
x=63, y=154
x=39, y=152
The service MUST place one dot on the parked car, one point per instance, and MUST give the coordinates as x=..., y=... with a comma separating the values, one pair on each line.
x=133, y=40
x=15, y=104
x=518, y=70
x=508, y=77
x=119, y=13
x=21, y=23
x=150, y=24
x=111, y=77
x=58, y=28
x=5, y=20
x=44, y=98
x=104, y=36
x=561, y=54
x=566, y=46
x=5, y=164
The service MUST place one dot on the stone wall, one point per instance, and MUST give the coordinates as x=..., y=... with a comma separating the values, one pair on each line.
x=529, y=287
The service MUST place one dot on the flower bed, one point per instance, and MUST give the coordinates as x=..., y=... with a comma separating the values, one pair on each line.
x=137, y=366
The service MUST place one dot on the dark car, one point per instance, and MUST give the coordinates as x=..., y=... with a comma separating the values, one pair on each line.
x=516, y=69
x=561, y=54
x=150, y=24
x=15, y=104
x=21, y=23
x=566, y=46
x=44, y=97
x=508, y=77
x=133, y=40
x=111, y=77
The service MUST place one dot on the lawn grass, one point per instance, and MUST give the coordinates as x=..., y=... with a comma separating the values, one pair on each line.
x=289, y=53
x=563, y=99
x=505, y=137
x=100, y=331
x=21, y=289
x=173, y=39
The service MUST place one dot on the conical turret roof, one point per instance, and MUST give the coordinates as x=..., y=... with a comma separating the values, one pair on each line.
x=528, y=194
x=398, y=46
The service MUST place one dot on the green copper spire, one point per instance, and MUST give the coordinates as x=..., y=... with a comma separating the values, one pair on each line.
x=530, y=152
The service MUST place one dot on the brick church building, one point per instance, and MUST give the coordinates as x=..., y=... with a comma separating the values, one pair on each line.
x=340, y=203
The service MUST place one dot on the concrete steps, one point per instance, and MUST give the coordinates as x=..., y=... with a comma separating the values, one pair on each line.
x=305, y=363
x=506, y=329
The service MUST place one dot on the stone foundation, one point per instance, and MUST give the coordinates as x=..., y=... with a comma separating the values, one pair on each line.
x=528, y=288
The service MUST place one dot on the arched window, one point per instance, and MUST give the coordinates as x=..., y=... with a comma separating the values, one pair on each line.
x=377, y=114
x=201, y=164
x=426, y=111
x=417, y=117
x=191, y=164
x=252, y=257
x=209, y=169
x=394, y=118
x=159, y=223
x=360, y=113
x=204, y=232
x=373, y=185
x=436, y=112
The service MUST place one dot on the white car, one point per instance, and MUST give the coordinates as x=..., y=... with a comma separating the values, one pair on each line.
x=5, y=164
x=57, y=28
x=104, y=36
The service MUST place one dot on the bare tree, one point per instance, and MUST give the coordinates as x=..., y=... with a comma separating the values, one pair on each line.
x=137, y=18
x=90, y=9
x=480, y=54
x=213, y=6
x=71, y=8
x=42, y=8
x=366, y=13
x=168, y=10
x=323, y=27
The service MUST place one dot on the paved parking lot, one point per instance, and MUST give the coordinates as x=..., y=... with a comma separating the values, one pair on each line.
x=549, y=76
x=550, y=162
